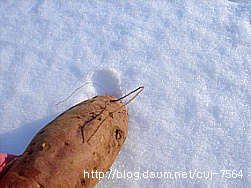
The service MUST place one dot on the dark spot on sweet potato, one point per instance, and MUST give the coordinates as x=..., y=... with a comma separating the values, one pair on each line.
x=111, y=114
x=118, y=134
x=116, y=138
x=83, y=182
x=20, y=174
x=120, y=137
x=29, y=152
x=66, y=144
x=41, y=132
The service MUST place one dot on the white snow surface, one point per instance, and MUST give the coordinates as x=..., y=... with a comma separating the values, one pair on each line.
x=192, y=57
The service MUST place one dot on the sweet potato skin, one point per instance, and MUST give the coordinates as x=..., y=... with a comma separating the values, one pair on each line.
x=65, y=151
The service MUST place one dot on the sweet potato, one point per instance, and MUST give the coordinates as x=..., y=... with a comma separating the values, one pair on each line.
x=84, y=139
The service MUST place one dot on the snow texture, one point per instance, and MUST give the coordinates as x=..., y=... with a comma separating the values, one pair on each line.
x=193, y=57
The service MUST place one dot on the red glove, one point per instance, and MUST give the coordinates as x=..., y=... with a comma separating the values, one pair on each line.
x=5, y=159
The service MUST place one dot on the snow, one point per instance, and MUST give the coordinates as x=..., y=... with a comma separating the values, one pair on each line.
x=192, y=57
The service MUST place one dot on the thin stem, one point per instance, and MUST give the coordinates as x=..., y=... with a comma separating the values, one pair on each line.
x=80, y=88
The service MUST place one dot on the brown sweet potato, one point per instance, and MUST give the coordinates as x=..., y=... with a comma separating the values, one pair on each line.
x=84, y=139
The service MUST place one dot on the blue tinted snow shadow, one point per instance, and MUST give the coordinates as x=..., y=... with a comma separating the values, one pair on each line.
x=109, y=80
